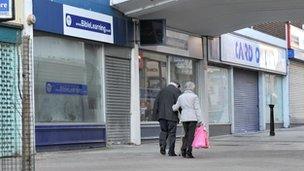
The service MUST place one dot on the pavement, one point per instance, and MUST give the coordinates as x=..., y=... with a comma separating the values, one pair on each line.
x=241, y=152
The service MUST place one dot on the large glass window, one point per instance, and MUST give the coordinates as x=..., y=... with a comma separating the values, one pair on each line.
x=67, y=81
x=153, y=77
x=274, y=95
x=218, y=95
x=153, y=69
x=182, y=70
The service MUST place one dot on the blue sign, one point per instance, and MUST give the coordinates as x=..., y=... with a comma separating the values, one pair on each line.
x=4, y=6
x=291, y=53
x=6, y=10
x=66, y=88
x=88, y=24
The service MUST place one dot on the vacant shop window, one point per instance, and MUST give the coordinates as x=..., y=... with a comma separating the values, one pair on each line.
x=67, y=81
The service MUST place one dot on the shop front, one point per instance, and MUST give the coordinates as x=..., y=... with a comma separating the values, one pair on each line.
x=157, y=67
x=296, y=78
x=247, y=77
x=10, y=88
x=82, y=76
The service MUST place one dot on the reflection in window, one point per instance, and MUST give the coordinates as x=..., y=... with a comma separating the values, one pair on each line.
x=153, y=77
x=182, y=70
x=67, y=81
x=218, y=95
x=274, y=91
x=214, y=48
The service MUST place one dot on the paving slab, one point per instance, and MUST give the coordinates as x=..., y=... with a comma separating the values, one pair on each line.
x=240, y=152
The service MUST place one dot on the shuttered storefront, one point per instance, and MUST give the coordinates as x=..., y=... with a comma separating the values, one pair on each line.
x=296, y=92
x=10, y=102
x=246, y=113
x=118, y=79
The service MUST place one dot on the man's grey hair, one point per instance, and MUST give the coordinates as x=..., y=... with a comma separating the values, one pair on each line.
x=189, y=86
x=175, y=83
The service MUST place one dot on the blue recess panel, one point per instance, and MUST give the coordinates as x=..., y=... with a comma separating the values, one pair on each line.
x=56, y=135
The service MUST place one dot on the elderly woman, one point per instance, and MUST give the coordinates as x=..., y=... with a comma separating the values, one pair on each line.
x=190, y=117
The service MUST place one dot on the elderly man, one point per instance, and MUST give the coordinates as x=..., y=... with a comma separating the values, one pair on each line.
x=167, y=118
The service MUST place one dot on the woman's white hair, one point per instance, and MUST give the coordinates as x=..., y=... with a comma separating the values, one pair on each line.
x=189, y=86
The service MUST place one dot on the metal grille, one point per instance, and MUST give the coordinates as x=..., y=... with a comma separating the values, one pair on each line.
x=10, y=118
x=16, y=119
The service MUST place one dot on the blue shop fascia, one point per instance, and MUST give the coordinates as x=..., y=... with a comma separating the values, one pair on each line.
x=82, y=52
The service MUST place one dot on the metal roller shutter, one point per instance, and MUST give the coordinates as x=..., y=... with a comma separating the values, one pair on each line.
x=117, y=73
x=296, y=91
x=246, y=113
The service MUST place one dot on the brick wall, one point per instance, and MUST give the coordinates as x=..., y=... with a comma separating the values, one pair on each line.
x=276, y=29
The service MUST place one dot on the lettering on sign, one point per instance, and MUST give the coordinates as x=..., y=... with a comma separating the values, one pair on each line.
x=244, y=51
x=88, y=24
x=3, y=5
x=66, y=88
x=6, y=10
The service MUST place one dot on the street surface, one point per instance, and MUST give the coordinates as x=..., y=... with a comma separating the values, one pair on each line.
x=243, y=152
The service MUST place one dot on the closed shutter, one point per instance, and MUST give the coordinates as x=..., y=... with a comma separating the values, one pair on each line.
x=296, y=91
x=246, y=113
x=117, y=73
x=10, y=102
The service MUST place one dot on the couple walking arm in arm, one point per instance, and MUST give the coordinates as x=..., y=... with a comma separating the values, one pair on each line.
x=166, y=106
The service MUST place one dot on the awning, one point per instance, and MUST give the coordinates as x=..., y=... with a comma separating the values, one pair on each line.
x=212, y=17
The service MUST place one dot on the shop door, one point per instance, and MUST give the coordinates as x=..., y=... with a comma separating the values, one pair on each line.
x=296, y=92
x=246, y=112
x=117, y=73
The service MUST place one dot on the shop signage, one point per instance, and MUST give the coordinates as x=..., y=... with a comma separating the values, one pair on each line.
x=6, y=10
x=66, y=88
x=87, y=24
x=296, y=38
x=296, y=49
x=243, y=51
x=296, y=54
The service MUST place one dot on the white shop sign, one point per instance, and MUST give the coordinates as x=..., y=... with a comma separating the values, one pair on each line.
x=243, y=51
x=87, y=24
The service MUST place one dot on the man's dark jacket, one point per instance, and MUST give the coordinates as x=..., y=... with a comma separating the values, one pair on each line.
x=164, y=101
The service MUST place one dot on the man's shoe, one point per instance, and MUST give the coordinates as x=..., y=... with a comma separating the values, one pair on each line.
x=162, y=150
x=172, y=154
x=190, y=156
x=184, y=153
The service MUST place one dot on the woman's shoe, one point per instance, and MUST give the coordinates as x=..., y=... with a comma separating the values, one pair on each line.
x=162, y=150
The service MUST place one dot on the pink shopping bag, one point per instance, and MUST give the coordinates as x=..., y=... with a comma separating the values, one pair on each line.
x=200, y=138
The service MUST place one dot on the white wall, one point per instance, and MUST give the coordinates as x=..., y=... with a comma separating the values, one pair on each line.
x=135, y=96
